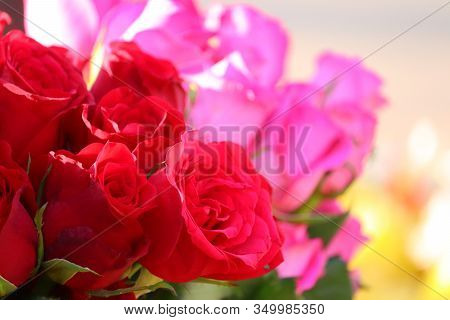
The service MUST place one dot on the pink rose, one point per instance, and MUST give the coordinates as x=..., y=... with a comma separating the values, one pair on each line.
x=349, y=238
x=304, y=258
x=298, y=147
x=79, y=22
x=351, y=102
x=259, y=39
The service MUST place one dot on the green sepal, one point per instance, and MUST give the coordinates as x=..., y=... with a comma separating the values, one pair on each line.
x=38, y=221
x=131, y=271
x=216, y=282
x=6, y=287
x=310, y=218
x=328, y=228
x=145, y=280
x=311, y=203
x=61, y=271
x=135, y=289
x=42, y=185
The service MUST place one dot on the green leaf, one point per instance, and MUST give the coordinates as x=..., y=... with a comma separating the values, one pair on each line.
x=135, y=289
x=268, y=287
x=42, y=185
x=215, y=282
x=309, y=218
x=146, y=280
x=311, y=203
x=131, y=271
x=334, y=285
x=61, y=271
x=328, y=228
x=38, y=220
x=6, y=287
x=144, y=284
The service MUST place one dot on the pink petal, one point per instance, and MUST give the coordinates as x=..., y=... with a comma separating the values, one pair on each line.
x=356, y=84
x=304, y=258
x=347, y=240
x=299, y=145
x=229, y=114
x=260, y=40
x=73, y=24
x=172, y=30
x=118, y=19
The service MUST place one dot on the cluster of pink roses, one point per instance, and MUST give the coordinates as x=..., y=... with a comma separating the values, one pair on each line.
x=187, y=156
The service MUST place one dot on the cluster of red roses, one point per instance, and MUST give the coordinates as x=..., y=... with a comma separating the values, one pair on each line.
x=108, y=177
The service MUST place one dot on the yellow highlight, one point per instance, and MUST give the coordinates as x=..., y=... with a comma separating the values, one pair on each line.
x=95, y=63
x=390, y=224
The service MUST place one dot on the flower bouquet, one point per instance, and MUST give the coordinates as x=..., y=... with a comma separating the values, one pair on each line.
x=149, y=146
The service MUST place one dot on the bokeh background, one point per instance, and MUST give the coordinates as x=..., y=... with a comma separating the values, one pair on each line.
x=403, y=199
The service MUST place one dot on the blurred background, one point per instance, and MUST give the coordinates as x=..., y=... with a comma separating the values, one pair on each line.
x=403, y=199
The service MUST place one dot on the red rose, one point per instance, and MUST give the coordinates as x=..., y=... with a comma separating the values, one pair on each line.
x=219, y=210
x=18, y=236
x=92, y=199
x=113, y=167
x=38, y=86
x=127, y=65
x=124, y=116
